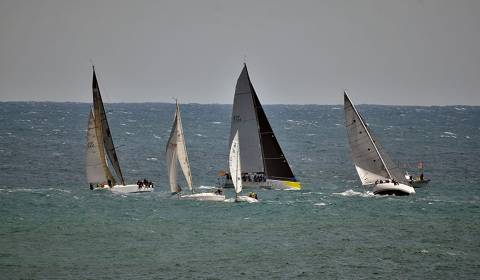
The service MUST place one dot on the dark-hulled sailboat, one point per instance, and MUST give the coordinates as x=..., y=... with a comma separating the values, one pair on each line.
x=373, y=165
x=262, y=159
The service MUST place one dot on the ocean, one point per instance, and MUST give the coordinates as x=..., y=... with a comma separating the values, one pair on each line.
x=53, y=227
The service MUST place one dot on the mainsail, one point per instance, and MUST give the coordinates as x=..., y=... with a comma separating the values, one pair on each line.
x=370, y=159
x=103, y=130
x=261, y=152
x=176, y=149
x=235, y=164
x=95, y=165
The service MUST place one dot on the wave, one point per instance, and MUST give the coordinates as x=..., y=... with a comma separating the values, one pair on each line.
x=42, y=190
x=351, y=192
x=320, y=204
x=206, y=187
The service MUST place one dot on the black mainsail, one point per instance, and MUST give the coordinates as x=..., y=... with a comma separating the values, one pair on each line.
x=261, y=152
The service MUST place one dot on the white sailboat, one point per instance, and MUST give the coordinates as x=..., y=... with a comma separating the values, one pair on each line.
x=100, y=153
x=236, y=170
x=373, y=165
x=263, y=161
x=176, y=151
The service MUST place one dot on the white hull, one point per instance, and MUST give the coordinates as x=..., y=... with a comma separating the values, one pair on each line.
x=244, y=198
x=391, y=188
x=204, y=197
x=129, y=189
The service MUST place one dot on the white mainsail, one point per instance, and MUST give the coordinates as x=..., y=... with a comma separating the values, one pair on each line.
x=93, y=161
x=371, y=161
x=176, y=149
x=235, y=164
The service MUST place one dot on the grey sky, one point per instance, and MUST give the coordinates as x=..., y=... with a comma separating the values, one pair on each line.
x=298, y=52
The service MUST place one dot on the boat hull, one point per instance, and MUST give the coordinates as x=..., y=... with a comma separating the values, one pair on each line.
x=269, y=184
x=203, y=197
x=393, y=189
x=129, y=189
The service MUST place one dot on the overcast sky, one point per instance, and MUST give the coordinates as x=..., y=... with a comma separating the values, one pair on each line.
x=424, y=52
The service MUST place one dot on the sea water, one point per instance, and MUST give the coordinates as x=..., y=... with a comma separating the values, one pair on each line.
x=53, y=227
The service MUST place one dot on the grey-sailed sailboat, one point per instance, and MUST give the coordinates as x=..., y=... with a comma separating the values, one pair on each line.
x=100, y=154
x=262, y=159
x=176, y=152
x=373, y=165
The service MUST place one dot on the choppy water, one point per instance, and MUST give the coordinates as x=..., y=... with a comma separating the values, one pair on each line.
x=54, y=227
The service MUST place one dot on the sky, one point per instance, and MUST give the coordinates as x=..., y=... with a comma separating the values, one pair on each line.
x=402, y=52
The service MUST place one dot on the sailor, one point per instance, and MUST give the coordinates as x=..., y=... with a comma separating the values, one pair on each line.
x=421, y=176
x=109, y=183
x=218, y=191
x=91, y=186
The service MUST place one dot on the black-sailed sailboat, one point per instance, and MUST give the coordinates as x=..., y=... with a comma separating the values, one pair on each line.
x=263, y=162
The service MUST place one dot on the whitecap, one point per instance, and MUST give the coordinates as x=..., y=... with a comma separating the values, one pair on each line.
x=216, y=122
x=129, y=133
x=207, y=187
x=320, y=204
x=156, y=136
x=351, y=192
x=449, y=133
x=336, y=108
x=199, y=135
x=152, y=158
x=311, y=134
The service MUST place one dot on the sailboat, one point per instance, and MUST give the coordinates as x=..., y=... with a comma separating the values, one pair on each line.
x=373, y=165
x=263, y=161
x=176, y=151
x=236, y=170
x=417, y=181
x=100, y=155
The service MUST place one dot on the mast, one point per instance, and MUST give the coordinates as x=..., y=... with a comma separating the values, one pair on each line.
x=103, y=131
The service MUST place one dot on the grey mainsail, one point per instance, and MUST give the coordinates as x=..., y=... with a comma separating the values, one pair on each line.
x=244, y=120
x=261, y=152
x=95, y=166
x=102, y=123
x=371, y=161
